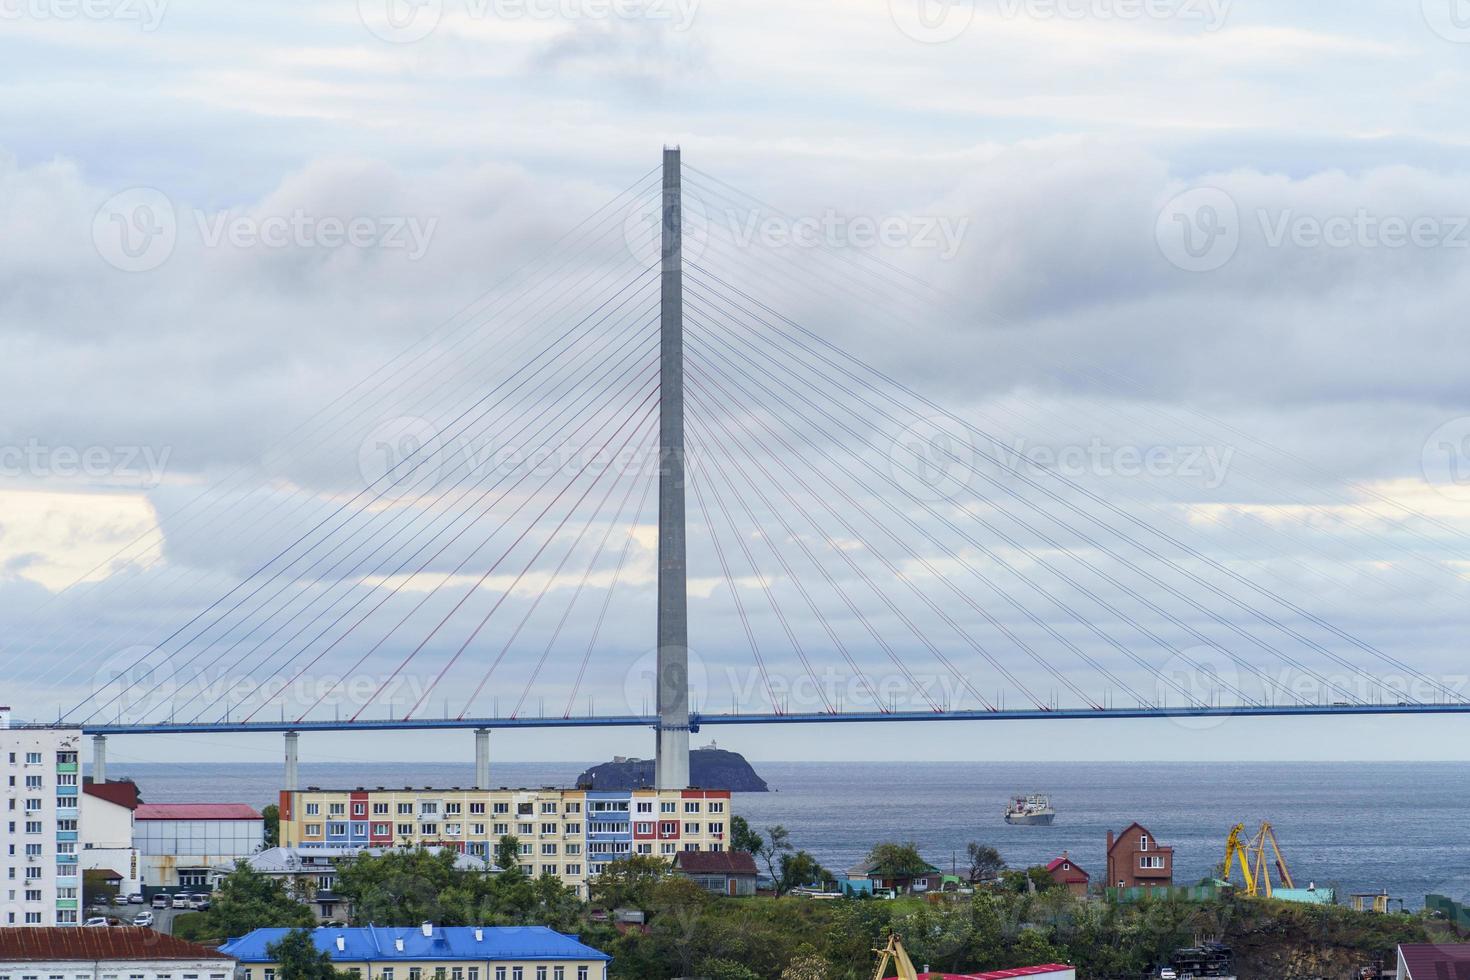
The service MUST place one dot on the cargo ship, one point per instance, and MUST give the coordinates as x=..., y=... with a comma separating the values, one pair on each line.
x=1032, y=810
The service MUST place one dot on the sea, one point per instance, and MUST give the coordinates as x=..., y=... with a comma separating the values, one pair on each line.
x=1356, y=827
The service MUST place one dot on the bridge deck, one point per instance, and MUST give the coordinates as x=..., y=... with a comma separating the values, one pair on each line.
x=696, y=721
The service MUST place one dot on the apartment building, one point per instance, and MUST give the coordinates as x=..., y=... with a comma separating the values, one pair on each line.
x=433, y=952
x=38, y=855
x=118, y=953
x=569, y=833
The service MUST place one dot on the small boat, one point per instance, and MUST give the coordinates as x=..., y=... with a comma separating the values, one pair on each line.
x=1031, y=811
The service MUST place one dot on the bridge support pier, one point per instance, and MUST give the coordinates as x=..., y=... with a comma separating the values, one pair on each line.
x=482, y=758
x=99, y=759
x=292, y=781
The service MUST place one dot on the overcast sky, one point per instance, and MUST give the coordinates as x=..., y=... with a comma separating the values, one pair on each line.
x=1197, y=267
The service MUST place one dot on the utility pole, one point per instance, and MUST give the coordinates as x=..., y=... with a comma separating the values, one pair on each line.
x=671, y=769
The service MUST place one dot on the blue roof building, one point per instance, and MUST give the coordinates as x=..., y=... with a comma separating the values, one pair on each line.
x=430, y=952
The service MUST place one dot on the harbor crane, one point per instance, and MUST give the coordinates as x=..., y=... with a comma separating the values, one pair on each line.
x=1251, y=856
x=898, y=956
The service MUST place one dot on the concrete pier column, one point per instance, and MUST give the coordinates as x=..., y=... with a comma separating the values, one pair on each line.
x=99, y=758
x=482, y=758
x=292, y=778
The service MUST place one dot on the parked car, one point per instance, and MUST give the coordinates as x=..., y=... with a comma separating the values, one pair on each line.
x=199, y=900
x=96, y=920
x=119, y=899
x=161, y=900
x=181, y=900
x=143, y=919
x=136, y=898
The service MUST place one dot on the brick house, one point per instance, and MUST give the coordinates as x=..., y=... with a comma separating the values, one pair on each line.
x=1065, y=872
x=1136, y=859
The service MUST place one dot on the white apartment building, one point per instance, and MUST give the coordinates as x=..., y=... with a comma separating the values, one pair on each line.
x=118, y=953
x=40, y=884
x=107, y=832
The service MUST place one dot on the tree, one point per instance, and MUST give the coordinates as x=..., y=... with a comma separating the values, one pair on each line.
x=247, y=900
x=508, y=854
x=297, y=958
x=985, y=862
x=96, y=888
x=678, y=905
x=800, y=869
x=777, y=843
x=892, y=860
x=271, y=816
x=629, y=882
x=742, y=838
x=807, y=964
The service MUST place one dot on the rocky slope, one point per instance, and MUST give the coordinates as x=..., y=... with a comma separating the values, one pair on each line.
x=709, y=768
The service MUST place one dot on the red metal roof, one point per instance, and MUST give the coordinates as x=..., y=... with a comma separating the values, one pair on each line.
x=32, y=943
x=123, y=792
x=1435, y=961
x=716, y=862
x=195, y=811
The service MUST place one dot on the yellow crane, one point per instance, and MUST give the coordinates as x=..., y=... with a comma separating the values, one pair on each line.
x=1251, y=857
x=894, y=953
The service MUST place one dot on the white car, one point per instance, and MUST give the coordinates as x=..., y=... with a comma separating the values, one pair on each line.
x=181, y=900
x=1167, y=973
x=96, y=920
x=143, y=919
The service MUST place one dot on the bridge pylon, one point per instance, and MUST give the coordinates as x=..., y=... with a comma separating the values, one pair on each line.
x=671, y=768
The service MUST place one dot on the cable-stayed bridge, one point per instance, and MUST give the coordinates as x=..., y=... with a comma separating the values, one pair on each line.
x=856, y=551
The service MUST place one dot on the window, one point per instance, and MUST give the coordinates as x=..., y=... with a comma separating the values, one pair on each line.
x=525, y=828
x=691, y=828
x=581, y=973
x=574, y=808
x=574, y=849
x=33, y=758
x=691, y=806
x=381, y=810
x=500, y=973
x=548, y=828
x=429, y=806
x=502, y=808
x=716, y=807
x=1143, y=843
x=405, y=809
x=405, y=830
x=548, y=869
x=645, y=806
x=668, y=827
x=716, y=828
x=312, y=809
x=645, y=848
x=429, y=828
x=476, y=808
x=540, y=973
x=548, y=850
x=574, y=828
x=313, y=830
x=560, y=973
x=477, y=829
x=547, y=808
x=452, y=829
x=451, y=808
x=668, y=806
x=336, y=809
x=337, y=828
x=516, y=973
x=668, y=847
x=1151, y=861
x=381, y=829
x=574, y=869
x=359, y=809
x=501, y=829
